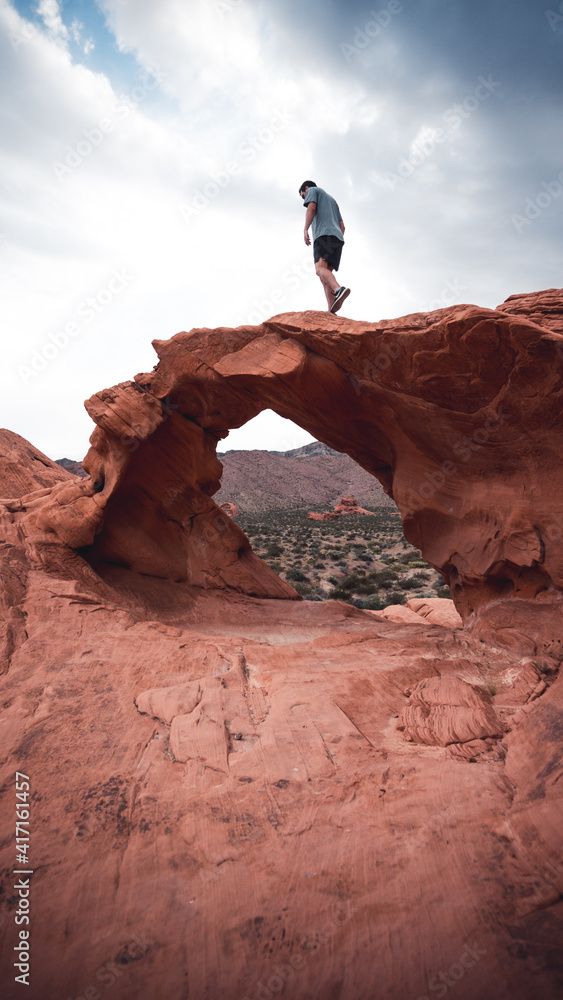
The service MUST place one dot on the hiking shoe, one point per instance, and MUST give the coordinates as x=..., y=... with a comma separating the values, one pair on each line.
x=339, y=296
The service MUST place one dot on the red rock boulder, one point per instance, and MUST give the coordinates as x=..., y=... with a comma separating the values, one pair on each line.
x=230, y=508
x=349, y=505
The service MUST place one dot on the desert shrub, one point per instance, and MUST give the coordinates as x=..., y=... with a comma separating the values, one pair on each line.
x=296, y=574
x=302, y=588
x=407, y=556
x=384, y=576
x=336, y=594
x=286, y=536
x=354, y=583
x=396, y=597
x=443, y=592
x=370, y=604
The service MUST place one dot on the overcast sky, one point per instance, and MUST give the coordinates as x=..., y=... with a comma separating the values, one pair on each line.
x=153, y=151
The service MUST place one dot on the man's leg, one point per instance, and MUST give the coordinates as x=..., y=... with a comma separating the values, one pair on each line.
x=329, y=282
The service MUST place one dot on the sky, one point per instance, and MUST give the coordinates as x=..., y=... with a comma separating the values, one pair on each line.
x=152, y=155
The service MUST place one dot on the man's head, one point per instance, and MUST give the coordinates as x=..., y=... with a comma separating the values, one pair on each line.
x=304, y=187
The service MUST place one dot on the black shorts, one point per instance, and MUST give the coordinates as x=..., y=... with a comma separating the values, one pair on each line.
x=328, y=248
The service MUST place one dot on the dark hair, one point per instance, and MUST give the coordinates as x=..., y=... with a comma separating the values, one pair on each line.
x=307, y=184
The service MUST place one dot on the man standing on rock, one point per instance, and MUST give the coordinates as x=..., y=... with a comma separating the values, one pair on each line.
x=328, y=229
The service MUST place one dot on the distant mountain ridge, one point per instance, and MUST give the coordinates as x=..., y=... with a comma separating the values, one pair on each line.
x=307, y=477
x=306, y=451
x=71, y=466
x=313, y=476
x=309, y=451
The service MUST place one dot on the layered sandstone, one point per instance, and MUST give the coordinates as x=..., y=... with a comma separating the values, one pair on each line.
x=24, y=468
x=541, y=308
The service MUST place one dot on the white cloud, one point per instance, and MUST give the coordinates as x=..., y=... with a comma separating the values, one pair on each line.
x=50, y=13
x=94, y=184
x=97, y=178
x=75, y=29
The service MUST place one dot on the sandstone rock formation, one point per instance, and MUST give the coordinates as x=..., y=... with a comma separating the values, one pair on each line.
x=349, y=505
x=255, y=795
x=438, y=418
x=24, y=468
x=446, y=711
x=541, y=308
x=435, y=610
x=230, y=508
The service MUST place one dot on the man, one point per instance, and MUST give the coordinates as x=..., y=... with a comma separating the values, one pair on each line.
x=328, y=229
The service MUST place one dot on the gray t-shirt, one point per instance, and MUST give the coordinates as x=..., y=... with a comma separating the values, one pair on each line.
x=327, y=216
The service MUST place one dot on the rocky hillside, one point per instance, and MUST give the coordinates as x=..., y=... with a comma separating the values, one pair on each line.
x=71, y=466
x=24, y=468
x=312, y=476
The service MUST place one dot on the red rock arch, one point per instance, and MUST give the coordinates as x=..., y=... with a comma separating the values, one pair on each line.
x=458, y=413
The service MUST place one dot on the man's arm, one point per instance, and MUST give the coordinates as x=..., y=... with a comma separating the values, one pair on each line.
x=342, y=226
x=311, y=209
